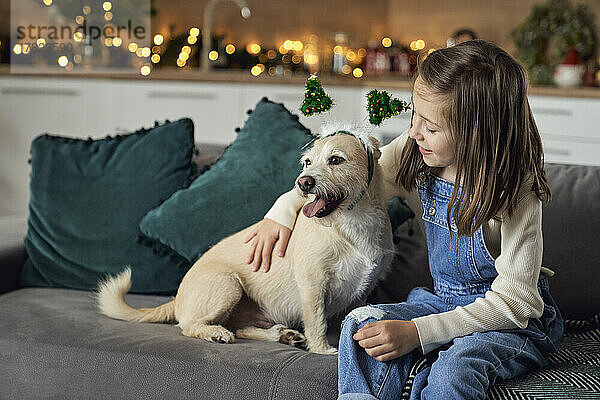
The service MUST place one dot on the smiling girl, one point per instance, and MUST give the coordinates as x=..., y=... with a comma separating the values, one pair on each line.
x=472, y=166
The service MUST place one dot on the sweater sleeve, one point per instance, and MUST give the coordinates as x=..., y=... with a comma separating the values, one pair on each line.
x=286, y=207
x=513, y=297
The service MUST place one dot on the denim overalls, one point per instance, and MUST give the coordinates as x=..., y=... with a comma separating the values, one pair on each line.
x=468, y=365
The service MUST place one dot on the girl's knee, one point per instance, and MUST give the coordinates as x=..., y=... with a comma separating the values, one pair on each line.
x=363, y=315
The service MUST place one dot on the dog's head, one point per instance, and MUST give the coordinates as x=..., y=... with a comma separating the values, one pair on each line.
x=337, y=170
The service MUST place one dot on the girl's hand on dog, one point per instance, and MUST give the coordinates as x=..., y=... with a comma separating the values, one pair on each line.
x=265, y=235
x=388, y=339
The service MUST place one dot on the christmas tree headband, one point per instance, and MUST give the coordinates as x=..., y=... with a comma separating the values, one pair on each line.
x=380, y=106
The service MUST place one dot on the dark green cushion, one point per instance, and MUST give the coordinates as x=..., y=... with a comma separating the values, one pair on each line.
x=87, y=198
x=238, y=190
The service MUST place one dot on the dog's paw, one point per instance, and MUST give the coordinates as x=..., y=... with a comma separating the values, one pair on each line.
x=292, y=337
x=220, y=335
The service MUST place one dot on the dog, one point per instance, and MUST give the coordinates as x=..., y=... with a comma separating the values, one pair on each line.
x=329, y=263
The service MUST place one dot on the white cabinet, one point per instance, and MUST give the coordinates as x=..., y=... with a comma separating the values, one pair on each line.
x=569, y=129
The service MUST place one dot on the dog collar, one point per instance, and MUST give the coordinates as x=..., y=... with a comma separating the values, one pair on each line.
x=371, y=168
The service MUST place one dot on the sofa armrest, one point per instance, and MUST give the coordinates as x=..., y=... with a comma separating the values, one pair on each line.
x=12, y=251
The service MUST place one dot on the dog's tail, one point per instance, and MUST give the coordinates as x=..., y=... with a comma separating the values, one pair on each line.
x=111, y=302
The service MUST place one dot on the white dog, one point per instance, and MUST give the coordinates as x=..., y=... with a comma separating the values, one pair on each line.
x=328, y=265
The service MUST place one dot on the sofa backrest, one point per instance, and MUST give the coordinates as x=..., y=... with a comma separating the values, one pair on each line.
x=571, y=229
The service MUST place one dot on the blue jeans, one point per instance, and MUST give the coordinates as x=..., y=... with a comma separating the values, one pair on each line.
x=464, y=369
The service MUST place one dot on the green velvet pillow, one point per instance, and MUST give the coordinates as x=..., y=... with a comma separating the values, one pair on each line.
x=261, y=164
x=87, y=198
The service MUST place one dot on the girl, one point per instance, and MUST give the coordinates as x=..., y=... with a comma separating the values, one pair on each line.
x=472, y=166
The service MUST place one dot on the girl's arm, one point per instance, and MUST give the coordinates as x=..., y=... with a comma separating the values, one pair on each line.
x=513, y=298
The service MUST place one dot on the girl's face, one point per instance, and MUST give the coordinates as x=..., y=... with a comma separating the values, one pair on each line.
x=431, y=131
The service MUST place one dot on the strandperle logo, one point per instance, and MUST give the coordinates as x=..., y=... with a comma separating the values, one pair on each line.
x=80, y=36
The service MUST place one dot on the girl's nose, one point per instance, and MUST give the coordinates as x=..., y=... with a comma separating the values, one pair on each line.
x=413, y=133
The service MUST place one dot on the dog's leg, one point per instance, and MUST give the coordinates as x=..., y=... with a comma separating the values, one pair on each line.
x=315, y=323
x=206, y=309
x=276, y=333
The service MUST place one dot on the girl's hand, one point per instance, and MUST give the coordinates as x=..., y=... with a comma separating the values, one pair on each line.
x=388, y=339
x=265, y=234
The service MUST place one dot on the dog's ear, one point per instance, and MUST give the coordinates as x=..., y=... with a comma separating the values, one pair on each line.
x=376, y=152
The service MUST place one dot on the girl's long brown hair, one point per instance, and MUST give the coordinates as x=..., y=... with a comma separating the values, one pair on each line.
x=496, y=140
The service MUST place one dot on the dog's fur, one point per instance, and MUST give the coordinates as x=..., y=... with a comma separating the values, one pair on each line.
x=329, y=263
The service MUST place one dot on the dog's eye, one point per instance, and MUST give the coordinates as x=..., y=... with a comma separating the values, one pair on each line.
x=335, y=160
x=306, y=162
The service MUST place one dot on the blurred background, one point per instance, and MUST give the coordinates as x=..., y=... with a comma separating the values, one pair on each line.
x=213, y=60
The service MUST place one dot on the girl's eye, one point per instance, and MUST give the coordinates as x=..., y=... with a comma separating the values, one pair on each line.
x=306, y=162
x=430, y=130
x=335, y=160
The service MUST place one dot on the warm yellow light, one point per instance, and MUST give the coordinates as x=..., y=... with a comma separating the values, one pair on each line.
x=288, y=45
x=78, y=36
x=63, y=60
x=184, y=56
x=213, y=55
x=420, y=44
x=271, y=54
x=338, y=49
x=117, y=42
x=357, y=72
x=108, y=42
x=26, y=49
x=186, y=49
x=146, y=52
x=282, y=50
x=107, y=5
x=79, y=19
x=158, y=39
x=192, y=39
x=298, y=45
x=132, y=47
x=77, y=58
x=40, y=42
x=87, y=9
x=194, y=31
x=257, y=69
x=180, y=62
x=145, y=70
x=108, y=15
x=350, y=55
x=430, y=51
x=386, y=42
x=346, y=69
x=413, y=45
x=47, y=2
x=361, y=52
x=155, y=58
x=253, y=48
x=17, y=49
x=296, y=59
x=138, y=52
x=230, y=49
x=311, y=59
x=69, y=66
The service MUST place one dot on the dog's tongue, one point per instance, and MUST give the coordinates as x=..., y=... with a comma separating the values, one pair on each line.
x=313, y=207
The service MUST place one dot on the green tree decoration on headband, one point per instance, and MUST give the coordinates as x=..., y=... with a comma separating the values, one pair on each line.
x=381, y=105
x=315, y=99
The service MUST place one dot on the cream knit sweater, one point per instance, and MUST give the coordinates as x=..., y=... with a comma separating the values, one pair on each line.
x=515, y=243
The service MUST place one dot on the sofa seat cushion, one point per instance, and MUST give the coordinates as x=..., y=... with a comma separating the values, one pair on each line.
x=53, y=344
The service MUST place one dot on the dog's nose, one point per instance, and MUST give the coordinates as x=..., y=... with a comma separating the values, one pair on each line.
x=305, y=183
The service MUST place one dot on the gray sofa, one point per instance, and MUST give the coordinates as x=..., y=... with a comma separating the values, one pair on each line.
x=53, y=343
